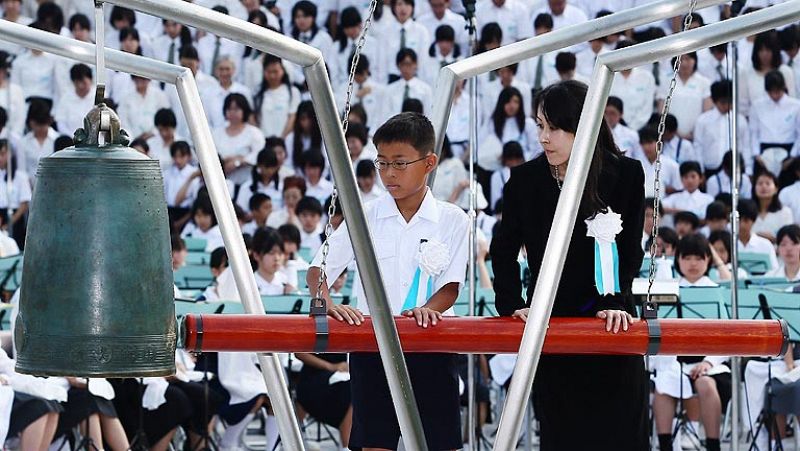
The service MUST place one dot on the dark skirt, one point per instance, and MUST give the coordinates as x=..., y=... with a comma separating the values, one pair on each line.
x=325, y=402
x=28, y=408
x=79, y=406
x=154, y=423
x=592, y=402
x=205, y=404
x=434, y=378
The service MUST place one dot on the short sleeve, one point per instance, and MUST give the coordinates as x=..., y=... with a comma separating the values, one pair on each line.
x=458, y=225
x=23, y=188
x=294, y=101
x=340, y=254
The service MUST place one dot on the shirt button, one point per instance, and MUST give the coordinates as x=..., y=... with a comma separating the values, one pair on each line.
x=405, y=284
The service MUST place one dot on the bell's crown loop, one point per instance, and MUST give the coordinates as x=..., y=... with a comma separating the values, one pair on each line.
x=101, y=127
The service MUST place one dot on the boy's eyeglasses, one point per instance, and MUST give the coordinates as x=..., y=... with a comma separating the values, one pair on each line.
x=399, y=165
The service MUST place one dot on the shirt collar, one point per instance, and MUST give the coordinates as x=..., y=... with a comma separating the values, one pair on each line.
x=429, y=210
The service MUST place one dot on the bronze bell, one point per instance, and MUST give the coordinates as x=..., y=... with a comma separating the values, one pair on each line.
x=97, y=290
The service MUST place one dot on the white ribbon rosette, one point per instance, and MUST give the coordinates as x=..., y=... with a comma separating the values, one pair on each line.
x=604, y=228
x=434, y=257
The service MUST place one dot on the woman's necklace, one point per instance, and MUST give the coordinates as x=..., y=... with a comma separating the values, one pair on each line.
x=559, y=183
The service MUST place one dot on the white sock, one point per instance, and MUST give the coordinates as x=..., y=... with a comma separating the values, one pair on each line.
x=271, y=432
x=233, y=433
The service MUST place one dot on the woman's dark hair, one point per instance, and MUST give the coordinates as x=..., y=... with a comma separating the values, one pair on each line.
x=308, y=9
x=775, y=203
x=203, y=204
x=561, y=105
x=774, y=81
x=257, y=17
x=290, y=234
x=358, y=131
x=5, y=60
x=306, y=108
x=447, y=150
x=240, y=101
x=725, y=237
x=295, y=182
x=349, y=17
x=694, y=244
x=122, y=13
x=692, y=55
x=359, y=110
x=258, y=99
x=139, y=142
x=165, y=117
x=79, y=20
x=314, y=159
x=51, y=16
x=266, y=157
x=727, y=163
x=12, y=158
x=768, y=40
x=491, y=32
x=133, y=33
x=668, y=236
x=499, y=115
x=791, y=230
x=265, y=239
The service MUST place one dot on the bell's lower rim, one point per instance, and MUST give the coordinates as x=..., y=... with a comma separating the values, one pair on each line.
x=61, y=372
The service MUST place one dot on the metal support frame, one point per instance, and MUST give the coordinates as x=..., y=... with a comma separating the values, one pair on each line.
x=539, y=45
x=585, y=141
x=184, y=80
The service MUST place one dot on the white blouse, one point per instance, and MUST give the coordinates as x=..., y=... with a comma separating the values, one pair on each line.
x=276, y=106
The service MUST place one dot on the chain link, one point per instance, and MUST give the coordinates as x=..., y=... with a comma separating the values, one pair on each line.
x=687, y=22
x=362, y=39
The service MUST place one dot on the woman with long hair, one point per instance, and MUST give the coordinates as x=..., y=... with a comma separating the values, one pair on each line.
x=507, y=123
x=766, y=57
x=772, y=214
x=305, y=136
x=610, y=391
x=237, y=140
x=276, y=100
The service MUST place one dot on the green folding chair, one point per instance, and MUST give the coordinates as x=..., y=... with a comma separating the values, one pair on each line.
x=697, y=303
x=755, y=263
x=195, y=244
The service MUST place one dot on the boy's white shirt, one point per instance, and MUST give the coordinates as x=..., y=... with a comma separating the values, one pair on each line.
x=397, y=245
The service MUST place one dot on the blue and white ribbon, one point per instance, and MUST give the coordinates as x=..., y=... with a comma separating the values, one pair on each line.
x=413, y=296
x=604, y=227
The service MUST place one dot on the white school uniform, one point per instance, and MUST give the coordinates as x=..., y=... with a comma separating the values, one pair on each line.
x=321, y=191
x=687, y=100
x=274, y=192
x=490, y=93
x=492, y=146
x=174, y=179
x=417, y=39
x=712, y=68
x=339, y=59
x=138, y=111
x=751, y=84
x=513, y=17
x=374, y=194
x=312, y=240
x=35, y=74
x=210, y=45
x=159, y=149
x=695, y=202
x=431, y=23
x=30, y=151
x=213, y=236
x=670, y=175
x=276, y=106
x=71, y=109
x=773, y=221
x=790, y=197
x=498, y=182
x=712, y=138
x=759, y=245
x=721, y=183
x=13, y=101
x=20, y=189
x=432, y=62
x=681, y=150
x=586, y=59
x=527, y=73
x=775, y=122
x=626, y=139
x=373, y=102
x=449, y=174
x=780, y=271
x=167, y=49
x=637, y=92
x=274, y=287
x=397, y=245
x=250, y=140
x=394, y=93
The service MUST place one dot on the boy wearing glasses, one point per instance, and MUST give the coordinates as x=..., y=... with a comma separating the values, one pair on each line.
x=421, y=247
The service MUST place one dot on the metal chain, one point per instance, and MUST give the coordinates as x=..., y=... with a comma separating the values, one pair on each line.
x=362, y=39
x=687, y=21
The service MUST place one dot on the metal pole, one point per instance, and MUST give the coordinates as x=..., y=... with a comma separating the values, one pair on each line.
x=322, y=95
x=554, y=256
x=237, y=253
x=473, y=237
x=538, y=45
x=735, y=177
x=391, y=352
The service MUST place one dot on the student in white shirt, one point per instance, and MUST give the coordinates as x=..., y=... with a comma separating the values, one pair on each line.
x=260, y=208
x=442, y=52
x=15, y=194
x=120, y=84
x=38, y=142
x=513, y=17
x=566, y=66
x=167, y=46
x=586, y=58
x=408, y=86
x=207, y=85
x=678, y=148
x=790, y=195
x=294, y=189
x=691, y=97
x=313, y=168
x=513, y=156
x=12, y=12
x=238, y=140
x=708, y=381
x=306, y=30
x=720, y=182
x=366, y=179
x=366, y=92
x=711, y=135
x=637, y=89
x=73, y=105
x=749, y=241
x=775, y=118
x=174, y=178
x=539, y=71
x=11, y=97
x=766, y=57
x=159, y=143
x=507, y=123
x=788, y=240
x=402, y=33
x=670, y=171
x=564, y=14
x=264, y=178
x=35, y=72
x=212, y=49
x=204, y=224
x=341, y=53
x=691, y=198
x=713, y=63
x=138, y=108
x=625, y=138
x=506, y=78
x=225, y=73
x=772, y=214
x=452, y=178
x=268, y=253
x=309, y=212
x=276, y=100
x=441, y=14
x=359, y=145
x=405, y=222
x=306, y=135
x=293, y=262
